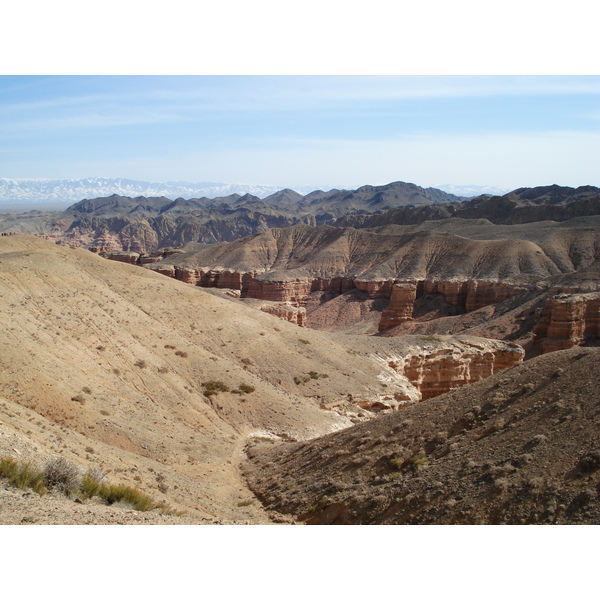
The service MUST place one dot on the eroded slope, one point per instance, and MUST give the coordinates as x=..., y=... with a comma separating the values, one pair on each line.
x=519, y=447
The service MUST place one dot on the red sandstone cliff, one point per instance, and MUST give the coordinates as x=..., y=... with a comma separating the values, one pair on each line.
x=425, y=373
x=568, y=320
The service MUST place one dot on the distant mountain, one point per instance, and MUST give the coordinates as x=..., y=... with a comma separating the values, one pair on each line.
x=68, y=191
x=469, y=191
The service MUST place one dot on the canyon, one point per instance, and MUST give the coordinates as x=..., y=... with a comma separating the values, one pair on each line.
x=328, y=358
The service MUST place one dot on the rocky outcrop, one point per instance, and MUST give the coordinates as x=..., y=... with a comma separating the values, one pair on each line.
x=287, y=312
x=401, y=305
x=427, y=372
x=131, y=258
x=568, y=320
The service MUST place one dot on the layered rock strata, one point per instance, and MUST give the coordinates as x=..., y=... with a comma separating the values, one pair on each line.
x=568, y=320
x=287, y=312
x=425, y=373
x=401, y=305
x=467, y=295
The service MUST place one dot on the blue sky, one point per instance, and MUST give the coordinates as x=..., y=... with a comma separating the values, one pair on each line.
x=507, y=131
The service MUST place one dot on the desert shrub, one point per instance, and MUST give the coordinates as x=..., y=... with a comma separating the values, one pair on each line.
x=22, y=475
x=245, y=503
x=315, y=375
x=91, y=483
x=247, y=389
x=112, y=494
x=304, y=341
x=62, y=475
x=141, y=364
x=181, y=354
x=79, y=398
x=8, y=467
x=211, y=388
x=419, y=460
x=396, y=463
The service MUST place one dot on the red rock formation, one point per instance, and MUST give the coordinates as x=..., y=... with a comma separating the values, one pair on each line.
x=287, y=312
x=484, y=293
x=401, y=305
x=375, y=289
x=568, y=320
x=425, y=373
x=294, y=291
x=127, y=257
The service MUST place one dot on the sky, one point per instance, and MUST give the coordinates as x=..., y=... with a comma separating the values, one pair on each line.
x=297, y=130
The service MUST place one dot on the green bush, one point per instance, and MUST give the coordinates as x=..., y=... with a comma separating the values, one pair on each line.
x=211, y=388
x=8, y=467
x=22, y=475
x=304, y=341
x=90, y=485
x=112, y=493
x=247, y=389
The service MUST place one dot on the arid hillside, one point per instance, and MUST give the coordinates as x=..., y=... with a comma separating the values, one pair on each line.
x=520, y=447
x=160, y=384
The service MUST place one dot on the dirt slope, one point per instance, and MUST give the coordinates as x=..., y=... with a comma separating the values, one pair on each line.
x=519, y=447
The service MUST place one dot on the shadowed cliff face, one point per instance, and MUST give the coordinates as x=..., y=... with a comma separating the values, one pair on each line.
x=568, y=320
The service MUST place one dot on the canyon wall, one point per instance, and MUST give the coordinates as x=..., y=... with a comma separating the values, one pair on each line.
x=468, y=295
x=400, y=308
x=425, y=373
x=568, y=320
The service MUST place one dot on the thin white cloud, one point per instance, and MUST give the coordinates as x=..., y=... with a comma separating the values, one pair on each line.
x=292, y=93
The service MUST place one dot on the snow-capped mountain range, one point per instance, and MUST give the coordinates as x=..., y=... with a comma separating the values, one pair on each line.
x=68, y=191
x=469, y=191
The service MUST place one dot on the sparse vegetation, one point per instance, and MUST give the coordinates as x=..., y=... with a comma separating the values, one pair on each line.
x=113, y=493
x=22, y=475
x=79, y=398
x=247, y=389
x=213, y=387
x=62, y=476
x=303, y=341
x=245, y=503
x=419, y=460
x=181, y=354
x=311, y=375
x=141, y=364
